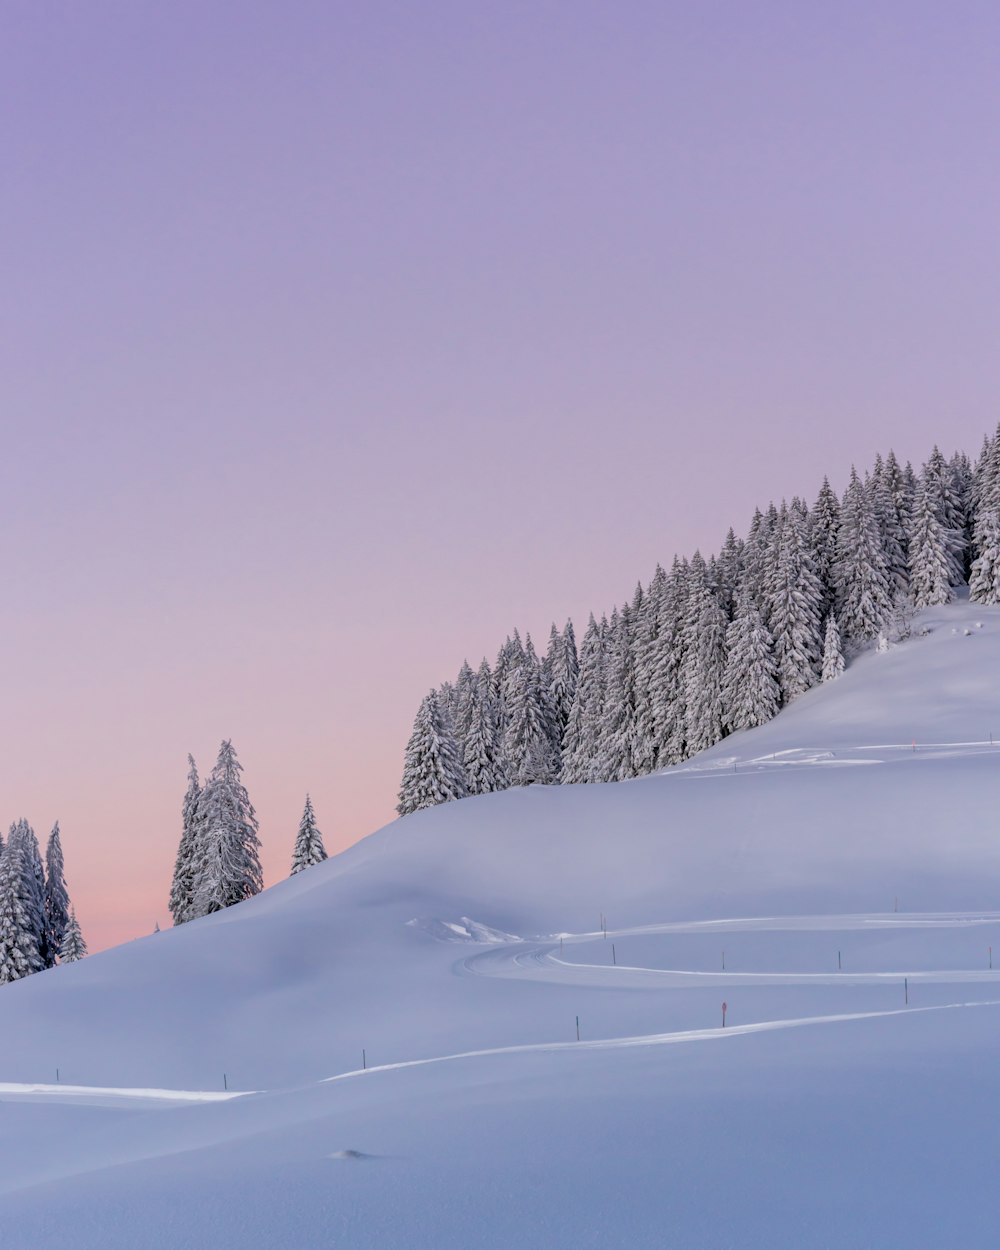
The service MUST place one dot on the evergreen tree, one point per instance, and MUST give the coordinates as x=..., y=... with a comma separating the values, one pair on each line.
x=56, y=894
x=833, y=656
x=31, y=886
x=729, y=571
x=984, y=583
x=618, y=740
x=704, y=662
x=824, y=525
x=794, y=597
x=581, y=741
x=462, y=710
x=930, y=566
x=229, y=868
x=529, y=754
x=189, y=850
x=483, y=758
x=563, y=674
x=938, y=483
x=883, y=490
x=861, y=573
x=309, y=849
x=750, y=691
x=73, y=946
x=645, y=639
x=432, y=771
x=19, y=954
x=667, y=662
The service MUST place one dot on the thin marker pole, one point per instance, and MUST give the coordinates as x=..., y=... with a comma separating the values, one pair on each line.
x=838, y=961
x=614, y=958
x=57, y=1070
x=906, y=991
x=364, y=1060
x=724, y=1006
x=723, y=961
x=578, y=1028
x=990, y=949
x=225, y=1081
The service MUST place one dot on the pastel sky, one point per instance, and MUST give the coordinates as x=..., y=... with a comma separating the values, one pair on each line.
x=339, y=338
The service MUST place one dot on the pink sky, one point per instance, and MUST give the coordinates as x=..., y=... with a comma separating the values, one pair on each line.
x=338, y=340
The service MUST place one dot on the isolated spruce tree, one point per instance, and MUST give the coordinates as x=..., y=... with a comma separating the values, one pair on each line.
x=73, y=946
x=432, y=770
x=833, y=656
x=188, y=851
x=930, y=566
x=228, y=869
x=984, y=582
x=56, y=894
x=19, y=954
x=863, y=597
x=31, y=886
x=309, y=849
x=483, y=757
x=750, y=690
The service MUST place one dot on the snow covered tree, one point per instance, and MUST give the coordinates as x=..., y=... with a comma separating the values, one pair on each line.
x=31, y=885
x=938, y=482
x=984, y=583
x=885, y=489
x=229, y=868
x=666, y=663
x=309, y=849
x=930, y=566
x=863, y=598
x=750, y=690
x=73, y=946
x=432, y=770
x=833, y=656
x=461, y=714
x=563, y=672
x=645, y=639
x=483, y=757
x=529, y=749
x=581, y=741
x=188, y=850
x=618, y=738
x=794, y=597
x=19, y=954
x=56, y=894
x=704, y=661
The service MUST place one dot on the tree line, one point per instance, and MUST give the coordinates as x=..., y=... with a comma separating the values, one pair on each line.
x=218, y=857
x=38, y=927
x=720, y=644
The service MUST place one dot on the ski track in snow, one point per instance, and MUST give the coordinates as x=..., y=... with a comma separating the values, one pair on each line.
x=108, y=1096
x=824, y=757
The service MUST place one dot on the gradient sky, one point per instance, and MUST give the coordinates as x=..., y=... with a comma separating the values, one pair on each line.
x=339, y=338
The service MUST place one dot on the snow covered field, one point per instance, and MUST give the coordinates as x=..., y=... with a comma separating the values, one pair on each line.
x=405, y=1015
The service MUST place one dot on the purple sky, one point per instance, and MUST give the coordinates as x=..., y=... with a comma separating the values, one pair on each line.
x=338, y=338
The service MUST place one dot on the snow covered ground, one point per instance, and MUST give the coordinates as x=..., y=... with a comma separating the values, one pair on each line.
x=406, y=1014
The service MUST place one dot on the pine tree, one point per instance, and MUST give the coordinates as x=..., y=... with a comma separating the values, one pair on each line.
x=863, y=600
x=19, y=954
x=56, y=894
x=229, y=868
x=833, y=656
x=984, y=583
x=750, y=691
x=464, y=693
x=667, y=692
x=563, y=674
x=645, y=638
x=583, y=729
x=930, y=566
x=794, y=595
x=939, y=485
x=483, y=758
x=31, y=886
x=883, y=488
x=704, y=662
x=618, y=739
x=432, y=771
x=309, y=849
x=73, y=947
x=189, y=851
x=529, y=753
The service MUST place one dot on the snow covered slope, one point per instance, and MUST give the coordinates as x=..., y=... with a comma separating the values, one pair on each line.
x=833, y=877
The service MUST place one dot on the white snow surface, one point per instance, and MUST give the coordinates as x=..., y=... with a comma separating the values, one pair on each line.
x=407, y=1012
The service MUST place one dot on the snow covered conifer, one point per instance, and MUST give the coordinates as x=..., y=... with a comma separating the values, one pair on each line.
x=73, y=947
x=618, y=740
x=833, y=656
x=794, y=596
x=529, y=751
x=229, y=868
x=930, y=565
x=863, y=599
x=939, y=486
x=309, y=849
x=581, y=741
x=704, y=661
x=483, y=757
x=56, y=894
x=984, y=583
x=19, y=954
x=31, y=885
x=432, y=770
x=750, y=691
x=563, y=674
x=188, y=850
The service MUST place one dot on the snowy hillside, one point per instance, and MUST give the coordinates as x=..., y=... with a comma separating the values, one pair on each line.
x=833, y=877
